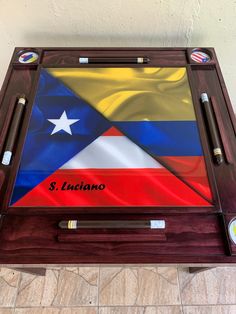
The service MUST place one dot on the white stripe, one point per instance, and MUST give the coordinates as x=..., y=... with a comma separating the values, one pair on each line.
x=111, y=152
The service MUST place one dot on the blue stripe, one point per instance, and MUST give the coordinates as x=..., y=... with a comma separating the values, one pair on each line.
x=28, y=57
x=44, y=153
x=164, y=138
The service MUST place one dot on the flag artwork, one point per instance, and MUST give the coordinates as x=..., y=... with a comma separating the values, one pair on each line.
x=112, y=137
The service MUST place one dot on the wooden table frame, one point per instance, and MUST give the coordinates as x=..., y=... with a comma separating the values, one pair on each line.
x=193, y=248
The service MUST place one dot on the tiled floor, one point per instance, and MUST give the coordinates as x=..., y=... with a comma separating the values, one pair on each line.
x=119, y=290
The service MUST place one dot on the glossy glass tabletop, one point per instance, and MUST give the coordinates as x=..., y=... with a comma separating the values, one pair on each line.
x=112, y=137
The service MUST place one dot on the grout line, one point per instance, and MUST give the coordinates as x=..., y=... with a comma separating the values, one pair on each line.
x=17, y=289
x=43, y=288
x=98, y=289
x=141, y=306
x=179, y=288
x=118, y=305
x=111, y=306
x=203, y=305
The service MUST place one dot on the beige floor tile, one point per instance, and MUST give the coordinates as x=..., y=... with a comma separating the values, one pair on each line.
x=6, y=311
x=158, y=287
x=37, y=310
x=169, y=310
x=9, y=280
x=50, y=287
x=215, y=286
x=141, y=310
x=53, y=310
x=115, y=282
x=37, y=290
x=213, y=309
x=138, y=286
x=77, y=286
x=79, y=310
x=64, y=287
x=124, y=310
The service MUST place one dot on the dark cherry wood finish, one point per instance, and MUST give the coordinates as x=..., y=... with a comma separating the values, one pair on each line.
x=186, y=238
x=225, y=142
x=192, y=235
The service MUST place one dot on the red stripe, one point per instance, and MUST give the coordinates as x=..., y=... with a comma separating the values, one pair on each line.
x=124, y=187
x=196, y=54
x=113, y=132
x=196, y=57
x=192, y=170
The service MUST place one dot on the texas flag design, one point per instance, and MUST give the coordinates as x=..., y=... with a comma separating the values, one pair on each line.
x=75, y=155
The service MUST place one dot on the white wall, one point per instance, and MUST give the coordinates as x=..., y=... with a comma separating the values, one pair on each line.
x=157, y=23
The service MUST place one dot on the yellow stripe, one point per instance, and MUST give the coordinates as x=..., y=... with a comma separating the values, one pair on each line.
x=71, y=224
x=234, y=229
x=33, y=59
x=132, y=94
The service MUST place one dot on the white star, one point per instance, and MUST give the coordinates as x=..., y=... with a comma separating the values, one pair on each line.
x=63, y=123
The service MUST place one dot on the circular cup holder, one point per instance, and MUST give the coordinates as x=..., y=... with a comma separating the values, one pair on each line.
x=200, y=55
x=27, y=56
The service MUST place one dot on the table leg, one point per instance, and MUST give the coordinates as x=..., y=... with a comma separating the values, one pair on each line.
x=32, y=271
x=194, y=270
